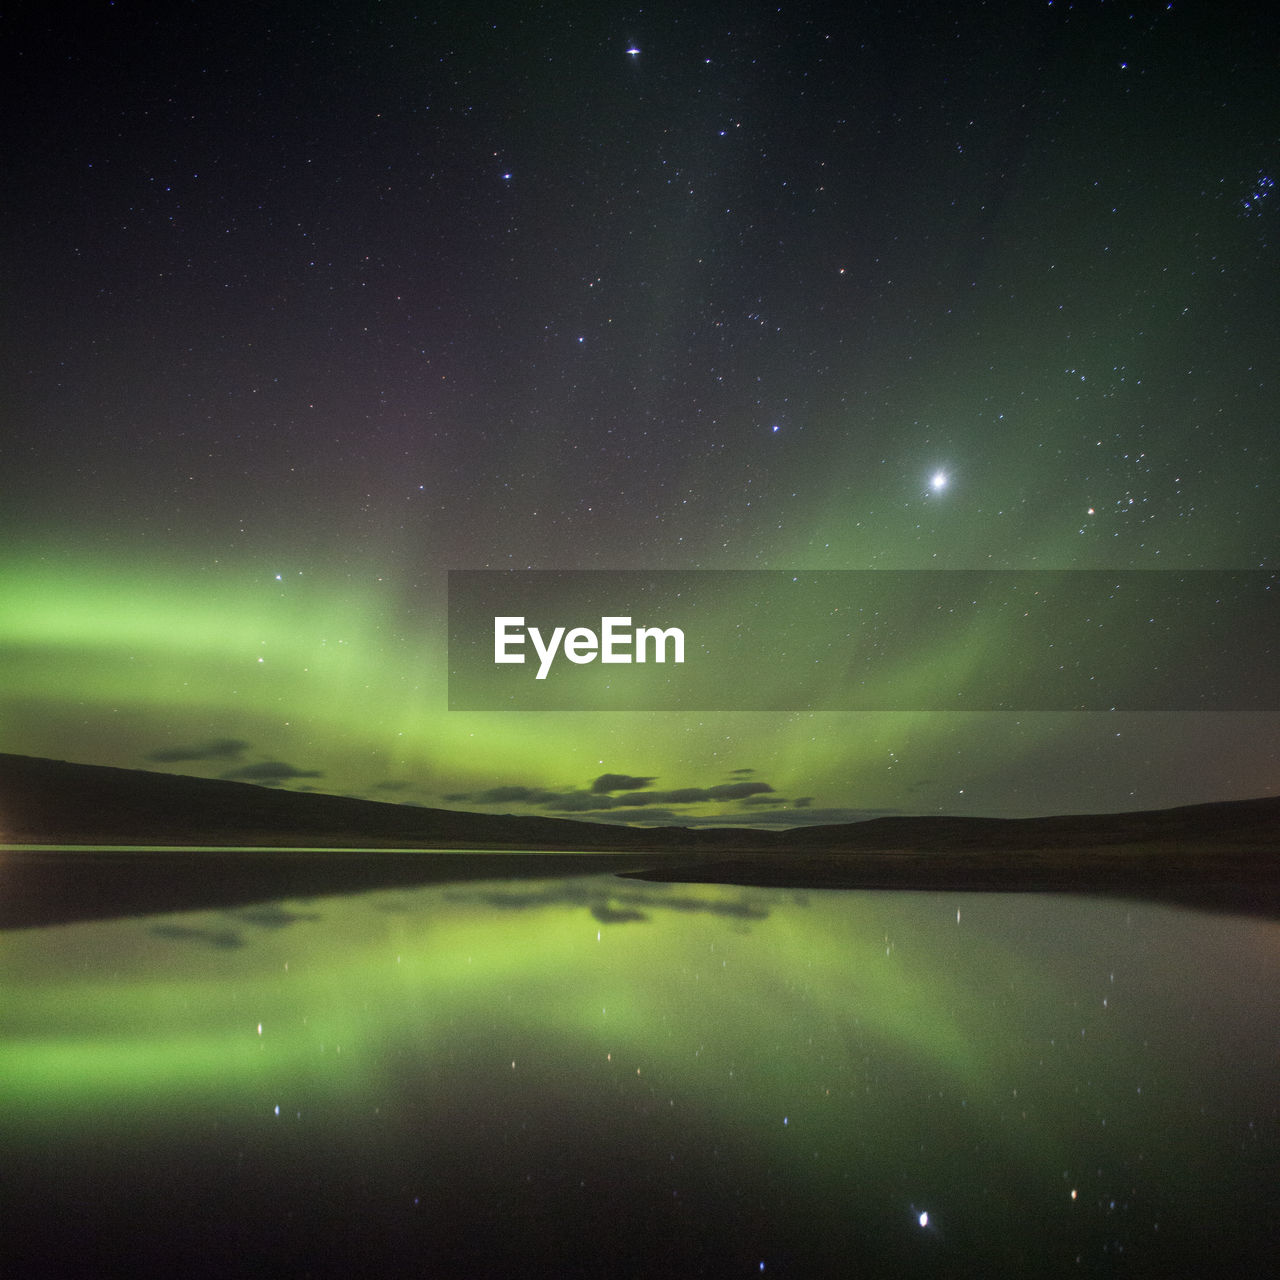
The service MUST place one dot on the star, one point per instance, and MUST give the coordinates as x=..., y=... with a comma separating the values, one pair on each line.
x=939, y=481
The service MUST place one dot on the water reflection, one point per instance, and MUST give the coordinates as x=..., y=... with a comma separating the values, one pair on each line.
x=612, y=902
x=588, y=1075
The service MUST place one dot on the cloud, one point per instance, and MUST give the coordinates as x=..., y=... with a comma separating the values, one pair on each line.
x=506, y=795
x=770, y=818
x=590, y=801
x=691, y=795
x=600, y=799
x=580, y=802
x=607, y=782
x=214, y=749
x=739, y=790
x=392, y=784
x=635, y=804
x=621, y=798
x=554, y=801
x=271, y=773
x=698, y=795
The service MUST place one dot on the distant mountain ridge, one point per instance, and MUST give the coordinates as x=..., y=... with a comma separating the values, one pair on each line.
x=45, y=801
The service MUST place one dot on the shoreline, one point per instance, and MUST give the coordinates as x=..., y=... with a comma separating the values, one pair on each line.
x=46, y=887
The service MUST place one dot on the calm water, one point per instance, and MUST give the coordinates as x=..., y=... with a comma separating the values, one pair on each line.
x=593, y=1076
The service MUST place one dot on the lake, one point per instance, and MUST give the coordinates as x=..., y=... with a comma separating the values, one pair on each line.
x=588, y=1075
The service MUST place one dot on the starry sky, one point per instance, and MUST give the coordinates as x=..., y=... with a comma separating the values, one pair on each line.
x=305, y=305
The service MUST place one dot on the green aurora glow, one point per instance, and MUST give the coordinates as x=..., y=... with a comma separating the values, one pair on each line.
x=108, y=661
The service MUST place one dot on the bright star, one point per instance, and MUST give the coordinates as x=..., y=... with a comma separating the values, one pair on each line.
x=939, y=481
x=633, y=52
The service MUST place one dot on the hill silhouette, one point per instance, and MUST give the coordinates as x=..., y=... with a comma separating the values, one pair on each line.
x=1223, y=856
x=57, y=802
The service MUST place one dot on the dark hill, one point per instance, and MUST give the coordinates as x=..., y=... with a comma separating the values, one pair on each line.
x=56, y=802
x=1238, y=822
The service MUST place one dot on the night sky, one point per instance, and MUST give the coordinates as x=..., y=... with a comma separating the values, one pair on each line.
x=305, y=305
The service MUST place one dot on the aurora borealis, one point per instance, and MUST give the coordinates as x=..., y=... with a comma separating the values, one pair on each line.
x=306, y=305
